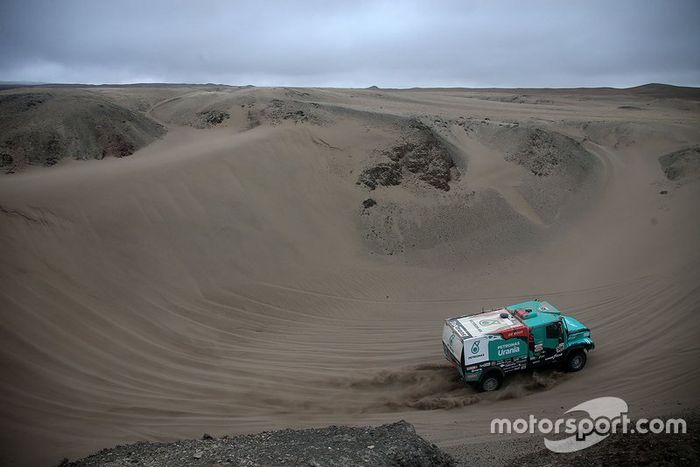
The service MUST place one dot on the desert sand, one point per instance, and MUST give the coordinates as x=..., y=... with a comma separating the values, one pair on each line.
x=231, y=276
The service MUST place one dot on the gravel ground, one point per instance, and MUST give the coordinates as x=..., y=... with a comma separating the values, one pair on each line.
x=494, y=453
x=392, y=444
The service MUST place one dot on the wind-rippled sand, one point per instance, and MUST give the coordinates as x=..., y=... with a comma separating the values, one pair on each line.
x=229, y=279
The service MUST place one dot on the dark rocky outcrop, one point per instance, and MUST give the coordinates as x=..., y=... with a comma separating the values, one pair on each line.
x=368, y=203
x=540, y=154
x=391, y=444
x=421, y=153
x=384, y=174
x=212, y=118
x=41, y=128
x=681, y=164
x=279, y=111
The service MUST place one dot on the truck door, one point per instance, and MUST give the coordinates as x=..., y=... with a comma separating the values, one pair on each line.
x=554, y=338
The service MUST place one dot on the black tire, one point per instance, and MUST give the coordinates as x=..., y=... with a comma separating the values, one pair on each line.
x=575, y=361
x=491, y=381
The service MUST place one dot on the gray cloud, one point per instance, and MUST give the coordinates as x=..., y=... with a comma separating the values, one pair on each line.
x=356, y=44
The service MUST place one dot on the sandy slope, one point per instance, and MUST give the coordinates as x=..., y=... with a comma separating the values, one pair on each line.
x=229, y=280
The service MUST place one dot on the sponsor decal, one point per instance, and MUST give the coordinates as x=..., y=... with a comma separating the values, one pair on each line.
x=472, y=376
x=508, y=349
x=500, y=349
x=475, y=347
x=488, y=322
x=476, y=351
x=520, y=331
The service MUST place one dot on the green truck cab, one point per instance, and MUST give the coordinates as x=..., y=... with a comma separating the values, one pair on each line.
x=484, y=347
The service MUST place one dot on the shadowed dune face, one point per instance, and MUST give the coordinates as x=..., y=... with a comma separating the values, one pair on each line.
x=231, y=276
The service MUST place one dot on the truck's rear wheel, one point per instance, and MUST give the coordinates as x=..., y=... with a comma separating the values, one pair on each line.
x=490, y=382
x=575, y=361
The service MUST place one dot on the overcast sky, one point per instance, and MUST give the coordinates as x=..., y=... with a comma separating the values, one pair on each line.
x=357, y=43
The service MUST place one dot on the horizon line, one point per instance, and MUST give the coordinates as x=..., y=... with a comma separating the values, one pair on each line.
x=16, y=83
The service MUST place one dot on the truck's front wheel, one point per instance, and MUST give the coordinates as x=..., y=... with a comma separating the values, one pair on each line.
x=490, y=382
x=576, y=360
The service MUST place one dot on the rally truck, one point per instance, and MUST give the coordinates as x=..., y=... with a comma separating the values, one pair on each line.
x=484, y=347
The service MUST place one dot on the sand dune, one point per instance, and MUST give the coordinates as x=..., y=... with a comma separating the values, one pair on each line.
x=227, y=278
x=43, y=126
